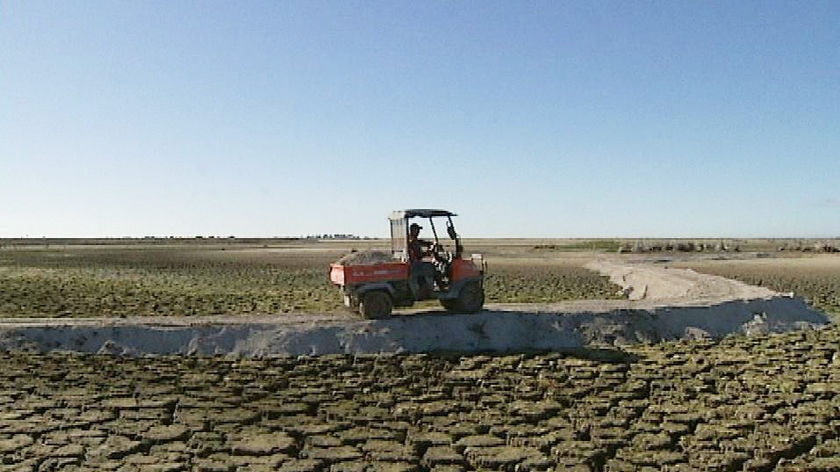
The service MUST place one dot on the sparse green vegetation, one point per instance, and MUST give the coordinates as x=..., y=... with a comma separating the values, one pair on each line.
x=84, y=282
x=189, y=280
x=545, y=283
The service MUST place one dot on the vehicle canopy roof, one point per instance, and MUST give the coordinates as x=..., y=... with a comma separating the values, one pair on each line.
x=419, y=212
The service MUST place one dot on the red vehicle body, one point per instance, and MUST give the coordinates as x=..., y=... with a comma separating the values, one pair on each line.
x=374, y=289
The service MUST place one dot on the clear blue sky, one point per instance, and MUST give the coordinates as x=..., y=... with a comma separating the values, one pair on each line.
x=530, y=119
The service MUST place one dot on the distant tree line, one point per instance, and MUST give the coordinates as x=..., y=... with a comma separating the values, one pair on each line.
x=333, y=236
x=641, y=246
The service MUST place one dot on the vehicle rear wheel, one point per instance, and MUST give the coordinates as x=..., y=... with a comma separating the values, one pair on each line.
x=449, y=304
x=376, y=305
x=471, y=298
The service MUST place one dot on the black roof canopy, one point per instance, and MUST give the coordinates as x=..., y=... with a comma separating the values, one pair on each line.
x=419, y=212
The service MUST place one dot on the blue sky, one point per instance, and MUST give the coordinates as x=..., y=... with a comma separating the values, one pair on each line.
x=529, y=119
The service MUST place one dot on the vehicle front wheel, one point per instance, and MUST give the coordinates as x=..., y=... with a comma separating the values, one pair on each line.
x=376, y=305
x=470, y=299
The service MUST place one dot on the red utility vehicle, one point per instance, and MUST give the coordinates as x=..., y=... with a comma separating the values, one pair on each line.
x=374, y=289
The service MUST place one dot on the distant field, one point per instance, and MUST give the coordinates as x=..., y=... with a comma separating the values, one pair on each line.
x=172, y=280
x=189, y=278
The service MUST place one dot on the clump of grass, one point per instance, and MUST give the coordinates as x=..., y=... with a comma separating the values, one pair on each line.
x=522, y=283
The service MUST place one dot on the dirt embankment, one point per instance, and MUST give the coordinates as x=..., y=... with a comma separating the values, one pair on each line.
x=657, y=284
x=662, y=304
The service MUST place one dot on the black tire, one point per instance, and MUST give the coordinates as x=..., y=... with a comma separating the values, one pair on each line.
x=449, y=304
x=470, y=299
x=376, y=305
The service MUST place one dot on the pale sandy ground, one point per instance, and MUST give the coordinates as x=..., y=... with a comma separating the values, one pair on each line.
x=658, y=284
x=662, y=304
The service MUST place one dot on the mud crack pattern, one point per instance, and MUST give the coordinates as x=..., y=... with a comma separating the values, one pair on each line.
x=744, y=403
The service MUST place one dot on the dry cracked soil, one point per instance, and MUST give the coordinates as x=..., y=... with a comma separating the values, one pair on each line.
x=742, y=403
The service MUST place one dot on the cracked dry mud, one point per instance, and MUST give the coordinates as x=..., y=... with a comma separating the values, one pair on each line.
x=743, y=403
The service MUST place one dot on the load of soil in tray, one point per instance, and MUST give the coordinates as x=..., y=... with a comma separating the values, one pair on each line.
x=369, y=257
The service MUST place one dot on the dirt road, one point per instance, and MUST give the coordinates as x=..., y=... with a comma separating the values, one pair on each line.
x=657, y=284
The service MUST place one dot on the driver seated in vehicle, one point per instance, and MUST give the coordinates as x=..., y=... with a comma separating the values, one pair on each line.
x=422, y=272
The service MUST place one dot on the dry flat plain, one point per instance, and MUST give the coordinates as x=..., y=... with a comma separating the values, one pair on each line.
x=204, y=278
x=768, y=402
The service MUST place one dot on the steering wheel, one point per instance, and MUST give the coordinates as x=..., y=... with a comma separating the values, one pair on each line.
x=440, y=253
